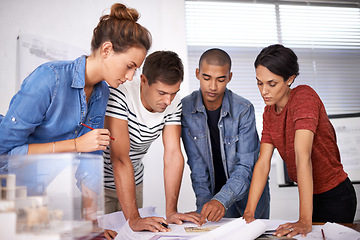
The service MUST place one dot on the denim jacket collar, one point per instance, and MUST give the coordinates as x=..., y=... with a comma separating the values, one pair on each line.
x=79, y=79
x=225, y=106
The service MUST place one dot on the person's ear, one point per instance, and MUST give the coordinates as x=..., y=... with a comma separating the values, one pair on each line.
x=143, y=79
x=290, y=80
x=106, y=49
x=230, y=77
x=197, y=73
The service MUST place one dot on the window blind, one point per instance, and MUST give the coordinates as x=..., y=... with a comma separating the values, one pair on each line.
x=326, y=39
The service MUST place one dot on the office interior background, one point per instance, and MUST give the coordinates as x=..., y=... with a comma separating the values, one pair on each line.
x=325, y=34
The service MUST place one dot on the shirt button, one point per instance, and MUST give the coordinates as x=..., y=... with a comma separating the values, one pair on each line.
x=221, y=125
x=13, y=119
x=195, y=138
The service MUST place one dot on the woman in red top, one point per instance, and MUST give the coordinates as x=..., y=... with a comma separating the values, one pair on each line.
x=296, y=123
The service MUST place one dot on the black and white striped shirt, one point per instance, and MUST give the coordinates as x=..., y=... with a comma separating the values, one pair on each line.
x=144, y=126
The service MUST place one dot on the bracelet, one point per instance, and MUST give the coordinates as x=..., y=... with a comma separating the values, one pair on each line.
x=75, y=144
x=53, y=147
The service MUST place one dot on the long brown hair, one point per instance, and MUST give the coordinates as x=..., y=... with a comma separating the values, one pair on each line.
x=120, y=27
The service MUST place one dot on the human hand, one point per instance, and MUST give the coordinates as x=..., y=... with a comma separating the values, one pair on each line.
x=248, y=217
x=195, y=214
x=89, y=203
x=109, y=234
x=152, y=224
x=179, y=218
x=212, y=211
x=292, y=229
x=94, y=140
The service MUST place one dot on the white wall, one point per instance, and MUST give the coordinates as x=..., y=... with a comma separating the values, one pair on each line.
x=72, y=22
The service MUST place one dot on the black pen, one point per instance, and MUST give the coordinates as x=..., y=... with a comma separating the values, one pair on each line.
x=164, y=225
x=270, y=231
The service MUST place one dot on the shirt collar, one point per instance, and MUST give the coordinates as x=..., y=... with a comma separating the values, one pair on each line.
x=199, y=104
x=79, y=73
x=225, y=106
x=79, y=78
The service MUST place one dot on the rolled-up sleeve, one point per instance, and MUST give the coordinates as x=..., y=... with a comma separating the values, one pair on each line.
x=27, y=110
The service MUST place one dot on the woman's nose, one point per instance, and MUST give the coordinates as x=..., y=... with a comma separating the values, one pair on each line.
x=130, y=75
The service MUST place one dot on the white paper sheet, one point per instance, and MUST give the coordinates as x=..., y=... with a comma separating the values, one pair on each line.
x=333, y=231
x=116, y=221
x=228, y=229
x=236, y=229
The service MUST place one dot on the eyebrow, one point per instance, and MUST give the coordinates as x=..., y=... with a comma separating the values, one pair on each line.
x=167, y=92
x=134, y=64
x=272, y=80
x=206, y=75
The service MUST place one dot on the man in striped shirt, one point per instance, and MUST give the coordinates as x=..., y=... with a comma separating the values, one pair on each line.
x=137, y=113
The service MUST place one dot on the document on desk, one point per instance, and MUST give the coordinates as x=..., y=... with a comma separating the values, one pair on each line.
x=332, y=231
x=236, y=229
x=229, y=229
x=226, y=228
x=116, y=221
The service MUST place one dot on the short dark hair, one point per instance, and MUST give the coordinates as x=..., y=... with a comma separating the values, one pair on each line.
x=163, y=66
x=279, y=60
x=215, y=56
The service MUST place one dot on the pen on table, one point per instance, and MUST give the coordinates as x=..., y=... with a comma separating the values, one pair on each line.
x=164, y=225
x=270, y=231
x=323, y=234
x=93, y=129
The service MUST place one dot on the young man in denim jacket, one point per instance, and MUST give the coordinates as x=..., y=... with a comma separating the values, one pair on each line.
x=221, y=142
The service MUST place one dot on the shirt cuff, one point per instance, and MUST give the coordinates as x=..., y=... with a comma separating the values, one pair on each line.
x=20, y=150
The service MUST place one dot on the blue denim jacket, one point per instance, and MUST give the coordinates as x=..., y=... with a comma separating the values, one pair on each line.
x=239, y=145
x=50, y=105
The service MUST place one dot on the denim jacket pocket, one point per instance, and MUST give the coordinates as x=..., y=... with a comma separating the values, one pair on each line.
x=230, y=145
x=197, y=136
x=228, y=141
x=96, y=121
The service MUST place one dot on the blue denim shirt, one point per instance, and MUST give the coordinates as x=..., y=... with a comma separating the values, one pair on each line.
x=50, y=105
x=239, y=145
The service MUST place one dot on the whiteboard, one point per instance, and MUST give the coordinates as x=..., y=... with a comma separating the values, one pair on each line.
x=33, y=50
x=347, y=127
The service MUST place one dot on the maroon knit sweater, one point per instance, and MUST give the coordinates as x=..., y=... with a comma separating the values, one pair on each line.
x=305, y=110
